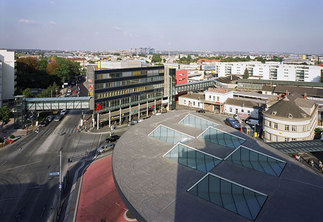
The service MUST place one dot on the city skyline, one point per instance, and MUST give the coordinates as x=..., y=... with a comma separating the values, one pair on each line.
x=289, y=26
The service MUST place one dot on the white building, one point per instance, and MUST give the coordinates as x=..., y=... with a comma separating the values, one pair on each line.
x=216, y=97
x=7, y=75
x=192, y=100
x=244, y=108
x=270, y=71
x=290, y=119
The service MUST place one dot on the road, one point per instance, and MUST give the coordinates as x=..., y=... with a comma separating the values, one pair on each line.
x=27, y=192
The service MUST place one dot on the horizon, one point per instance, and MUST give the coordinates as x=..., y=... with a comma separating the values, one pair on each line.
x=292, y=26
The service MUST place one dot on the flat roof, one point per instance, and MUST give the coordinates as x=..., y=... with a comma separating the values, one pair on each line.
x=161, y=188
x=280, y=82
x=298, y=146
x=252, y=95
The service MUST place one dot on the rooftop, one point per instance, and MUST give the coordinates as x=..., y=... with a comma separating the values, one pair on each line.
x=207, y=170
x=219, y=90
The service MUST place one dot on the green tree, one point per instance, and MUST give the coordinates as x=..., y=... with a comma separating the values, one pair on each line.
x=156, y=58
x=27, y=93
x=246, y=74
x=5, y=114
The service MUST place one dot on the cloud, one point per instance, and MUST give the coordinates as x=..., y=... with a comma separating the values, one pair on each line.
x=52, y=23
x=117, y=28
x=28, y=21
x=52, y=2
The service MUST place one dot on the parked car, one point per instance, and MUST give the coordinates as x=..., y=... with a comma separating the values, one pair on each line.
x=133, y=122
x=252, y=122
x=50, y=118
x=112, y=138
x=231, y=122
x=63, y=112
x=11, y=140
x=237, y=118
x=105, y=148
x=200, y=111
x=58, y=118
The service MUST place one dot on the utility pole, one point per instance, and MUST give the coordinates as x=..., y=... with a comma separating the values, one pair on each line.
x=60, y=170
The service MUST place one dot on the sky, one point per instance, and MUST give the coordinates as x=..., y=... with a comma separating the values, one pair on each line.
x=294, y=26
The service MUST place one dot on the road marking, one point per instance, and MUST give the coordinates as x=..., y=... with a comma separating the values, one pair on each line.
x=12, y=168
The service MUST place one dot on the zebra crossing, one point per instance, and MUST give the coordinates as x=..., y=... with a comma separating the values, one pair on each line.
x=65, y=130
x=59, y=131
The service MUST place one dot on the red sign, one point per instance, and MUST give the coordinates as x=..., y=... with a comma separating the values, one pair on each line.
x=90, y=87
x=99, y=107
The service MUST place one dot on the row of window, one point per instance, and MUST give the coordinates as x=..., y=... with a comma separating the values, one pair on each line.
x=237, y=111
x=292, y=128
x=217, y=98
x=128, y=82
x=275, y=138
x=128, y=74
x=132, y=98
x=127, y=91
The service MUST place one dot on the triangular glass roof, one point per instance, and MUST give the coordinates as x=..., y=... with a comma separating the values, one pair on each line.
x=197, y=122
x=229, y=195
x=220, y=137
x=255, y=160
x=170, y=135
x=192, y=158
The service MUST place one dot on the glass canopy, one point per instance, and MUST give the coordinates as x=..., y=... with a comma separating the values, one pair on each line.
x=192, y=158
x=170, y=135
x=197, y=122
x=229, y=195
x=222, y=138
x=258, y=161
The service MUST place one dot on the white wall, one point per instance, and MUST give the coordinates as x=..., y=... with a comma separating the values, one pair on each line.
x=218, y=97
x=190, y=102
x=241, y=110
x=8, y=74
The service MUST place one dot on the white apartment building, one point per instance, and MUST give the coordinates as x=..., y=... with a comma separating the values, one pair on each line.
x=270, y=71
x=7, y=75
x=290, y=119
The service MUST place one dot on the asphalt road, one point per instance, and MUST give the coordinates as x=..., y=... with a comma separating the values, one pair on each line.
x=27, y=192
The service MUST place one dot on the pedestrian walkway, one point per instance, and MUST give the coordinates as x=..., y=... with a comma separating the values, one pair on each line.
x=99, y=199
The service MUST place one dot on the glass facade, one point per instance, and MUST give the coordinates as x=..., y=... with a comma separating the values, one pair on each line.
x=169, y=135
x=197, y=122
x=120, y=88
x=258, y=161
x=192, y=158
x=229, y=195
x=216, y=136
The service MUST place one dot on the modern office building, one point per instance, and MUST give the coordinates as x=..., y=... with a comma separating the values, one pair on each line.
x=7, y=75
x=270, y=71
x=293, y=118
x=130, y=93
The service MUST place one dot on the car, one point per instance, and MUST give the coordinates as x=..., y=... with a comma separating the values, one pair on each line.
x=105, y=148
x=133, y=122
x=50, y=118
x=69, y=90
x=63, y=112
x=237, y=118
x=112, y=138
x=140, y=120
x=231, y=122
x=11, y=140
x=200, y=111
x=58, y=118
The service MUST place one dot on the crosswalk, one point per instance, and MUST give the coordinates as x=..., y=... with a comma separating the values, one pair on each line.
x=59, y=131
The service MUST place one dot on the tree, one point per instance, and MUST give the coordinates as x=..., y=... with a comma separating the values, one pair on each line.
x=246, y=74
x=5, y=114
x=156, y=58
x=27, y=93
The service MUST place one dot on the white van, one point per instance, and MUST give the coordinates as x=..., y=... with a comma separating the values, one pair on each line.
x=252, y=122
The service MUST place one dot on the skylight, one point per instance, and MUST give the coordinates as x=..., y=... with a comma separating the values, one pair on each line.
x=252, y=159
x=192, y=158
x=229, y=195
x=170, y=135
x=220, y=137
x=197, y=122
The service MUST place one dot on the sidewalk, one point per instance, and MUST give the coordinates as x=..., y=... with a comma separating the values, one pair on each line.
x=99, y=199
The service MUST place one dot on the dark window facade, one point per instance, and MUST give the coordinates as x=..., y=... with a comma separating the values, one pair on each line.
x=120, y=88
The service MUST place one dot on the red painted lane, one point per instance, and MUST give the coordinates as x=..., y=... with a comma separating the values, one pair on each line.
x=99, y=198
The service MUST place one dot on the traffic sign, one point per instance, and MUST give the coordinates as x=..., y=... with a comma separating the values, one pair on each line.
x=54, y=174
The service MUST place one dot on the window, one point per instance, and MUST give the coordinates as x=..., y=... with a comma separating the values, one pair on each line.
x=275, y=125
x=293, y=139
x=230, y=109
x=218, y=98
x=269, y=124
x=242, y=110
x=194, y=103
x=236, y=111
x=248, y=111
x=294, y=128
x=214, y=98
x=184, y=101
x=210, y=97
x=286, y=139
x=287, y=127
